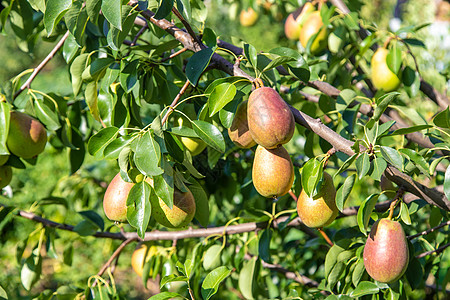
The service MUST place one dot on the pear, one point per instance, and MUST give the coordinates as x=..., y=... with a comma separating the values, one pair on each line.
x=238, y=132
x=194, y=145
x=3, y=159
x=320, y=210
x=140, y=256
x=295, y=21
x=248, y=17
x=272, y=172
x=382, y=77
x=115, y=199
x=312, y=26
x=270, y=120
x=180, y=215
x=5, y=176
x=386, y=252
x=27, y=136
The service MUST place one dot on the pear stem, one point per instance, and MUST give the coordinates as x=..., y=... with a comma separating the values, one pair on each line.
x=325, y=236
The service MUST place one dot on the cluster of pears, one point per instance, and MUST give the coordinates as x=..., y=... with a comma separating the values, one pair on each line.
x=386, y=253
x=265, y=119
x=181, y=214
x=26, y=139
x=303, y=24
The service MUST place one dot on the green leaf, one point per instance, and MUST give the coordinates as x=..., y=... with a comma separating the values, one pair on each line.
x=331, y=258
x=394, y=58
x=172, y=278
x=415, y=273
x=76, y=71
x=54, y=11
x=197, y=64
x=365, y=288
x=46, y=115
x=96, y=69
x=344, y=191
x=442, y=119
x=201, y=202
x=335, y=274
x=184, y=7
x=112, y=151
x=129, y=75
x=211, y=259
x=221, y=96
x=418, y=160
x=378, y=167
x=100, y=140
x=31, y=271
x=91, y=96
x=362, y=165
x=358, y=272
x=447, y=183
x=312, y=173
x=404, y=213
x=264, y=245
x=94, y=218
x=364, y=212
x=404, y=131
x=278, y=61
x=93, y=9
x=247, y=277
x=209, y=134
x=4, y=127
x=164, y=296
x=76, y=20
x=346, y=164
x=164, y=185
x=382, y=103
x=139, y=208
x=212, y=281
x=411, y=81
x=392, y=156
x=251, y=55
x=174, y=146
x=3, y=294
x=112, y=10
x=148, y=155
x=164, y=9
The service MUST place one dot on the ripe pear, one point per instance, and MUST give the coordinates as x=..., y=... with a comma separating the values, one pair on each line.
x=3, y=159
x=270, y=120
x=382, y=77
x=194, y=145
x=140, y=256
x=272, y=172
x=386, y=252
x=313, y=25
x=115, y=199
x=238, y=132
x=180, y=215
x=27, y=136
x=248, y=17
x=295, y=21
x=5, y=176
x=320, y=210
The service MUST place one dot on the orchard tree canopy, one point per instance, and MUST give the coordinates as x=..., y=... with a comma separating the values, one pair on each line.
x=226, y=149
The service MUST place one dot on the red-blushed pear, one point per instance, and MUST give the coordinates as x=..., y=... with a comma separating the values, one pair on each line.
x=3, y=159
x=180, y=215
x=386, y=253
x=382, y=77
x=320, y=210
x=272, y=171
x=270, y=119
x=295, y=21
x=27, y=136
x=248, y=17
x=115, y=199
x=5, y=176
x=238, y=132
x=314, y=25
x=140, y=256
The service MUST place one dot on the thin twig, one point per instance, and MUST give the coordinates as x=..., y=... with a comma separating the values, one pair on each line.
x=36, y=71
x=425, y=232
x=187, y=26
x=175, y=101
x=325, y=236
x=174, y=54
x=437, y=251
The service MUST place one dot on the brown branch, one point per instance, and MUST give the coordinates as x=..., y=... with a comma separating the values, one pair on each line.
x=174, y=55
x=36, y=71
x=325, y=236
x=437, y=251
x=187, y=26
x=425, y=232
x=175, y=101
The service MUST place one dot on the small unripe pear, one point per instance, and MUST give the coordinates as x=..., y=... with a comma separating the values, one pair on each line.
x=270, y=119
x=386, y=254
x=140, y=256
x=5, y=176
x=181, y=214
x=320, y=210
x=272, y=171
x=115, y=199
x=194, y=145
x=382, y=77
x=248, y=17
x=313, y=25
x=27, y=136
x=295, y=21
x=238, y=132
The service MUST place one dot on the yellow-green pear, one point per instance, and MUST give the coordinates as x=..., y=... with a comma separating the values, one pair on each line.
x=295, y=21
x=313, y=25
x=382, y=77
x=181, y=214
x=248, y=17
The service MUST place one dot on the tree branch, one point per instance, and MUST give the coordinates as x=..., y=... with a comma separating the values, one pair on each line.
x=425, y=232
x=437, y=251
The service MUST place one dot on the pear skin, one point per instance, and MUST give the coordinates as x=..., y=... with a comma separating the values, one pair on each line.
x=194, y=145
x=115, y=199
x=386, y=253
x=295, y=21
x=320, y=210
x=272, y=172
x=27, y=136
x=382, y=77
x=238, y=132
x=313, y=25
x=248, y=17
x=140, y=256
x=180, y=215
x=270, y=120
